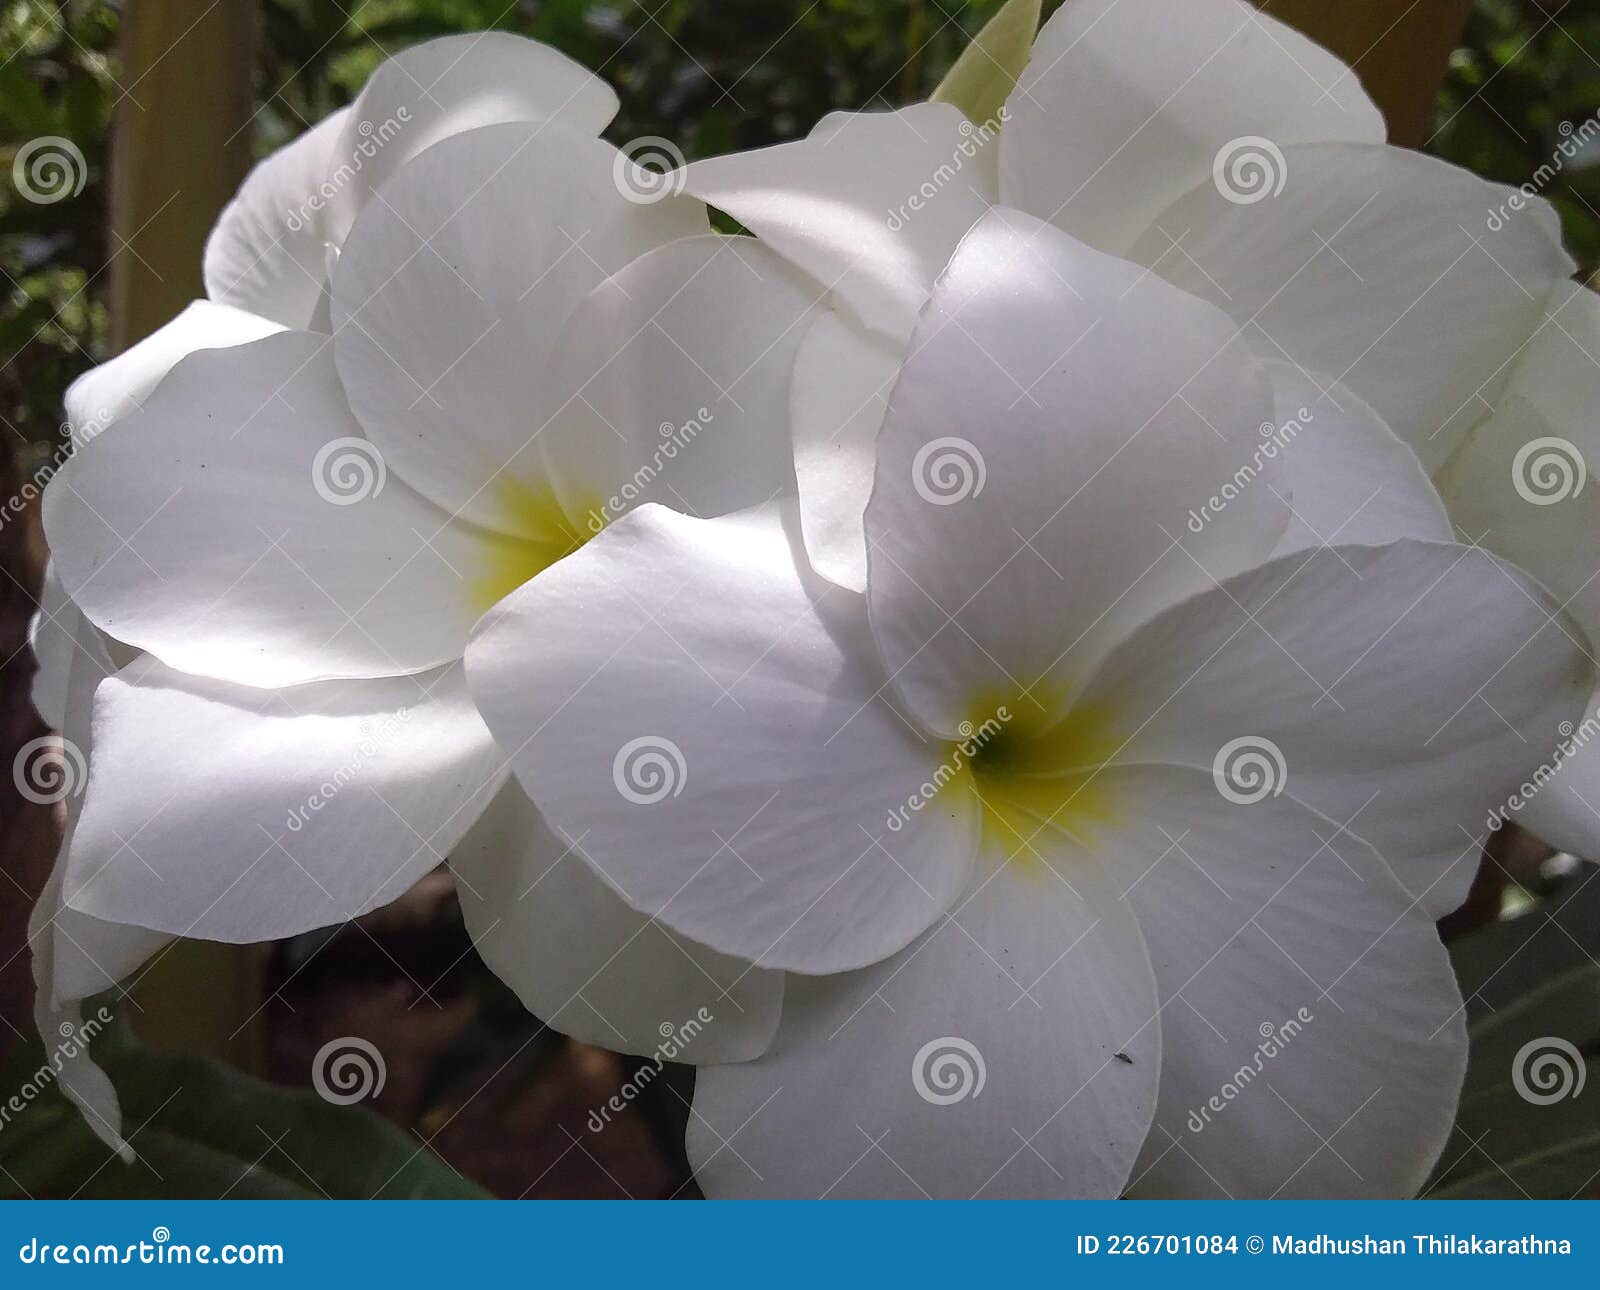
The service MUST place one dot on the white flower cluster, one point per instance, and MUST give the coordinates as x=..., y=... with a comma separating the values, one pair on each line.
x=695, y=728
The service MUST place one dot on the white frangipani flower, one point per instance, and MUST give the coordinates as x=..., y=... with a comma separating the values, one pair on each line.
x=992, y=813
x=1362, y=270
x=295, y=534
x=271, y=248
x=1225, y=151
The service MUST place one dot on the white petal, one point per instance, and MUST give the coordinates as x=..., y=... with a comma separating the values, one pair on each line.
x=234, y=814
x=454, y=288
x=1126, y=104
x=1520, y=483
x=672, y=379
x=453, y=84
x=88, y=955
x=1058, y=420
x=76, y=956
x=587, y=965
x=682, y=703
x=1559, y=802
x=56, y=634
x=1373, y=266
x=1012, y=1051
x=84, y=955
x=1253, y=913
x=267, y=251
x=58, y=1013
x=1353, y=481
x=1403, y=690
x=842, y=378
x=111, y=391
x=871, y=204
x=239, y=527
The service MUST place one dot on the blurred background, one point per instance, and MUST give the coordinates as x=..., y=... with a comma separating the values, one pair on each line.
x=477, y=1093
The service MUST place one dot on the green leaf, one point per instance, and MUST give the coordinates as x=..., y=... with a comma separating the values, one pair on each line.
x=1532, y=986
x=984, y=76
x=1506, y=1148
x=204, y=1130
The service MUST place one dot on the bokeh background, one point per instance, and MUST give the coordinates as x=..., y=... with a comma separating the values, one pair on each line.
x=477, y=1094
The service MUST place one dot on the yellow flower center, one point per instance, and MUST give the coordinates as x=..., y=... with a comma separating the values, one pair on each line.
x=552, y=533
x=1033, y=771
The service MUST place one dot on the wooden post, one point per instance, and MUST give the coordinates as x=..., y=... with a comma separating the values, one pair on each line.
x=1399, y=48
x=183, y=140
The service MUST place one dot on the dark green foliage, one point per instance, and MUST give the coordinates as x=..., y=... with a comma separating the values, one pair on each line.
x=1526, y=81
x=1532, y=986
x=201, y=1128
